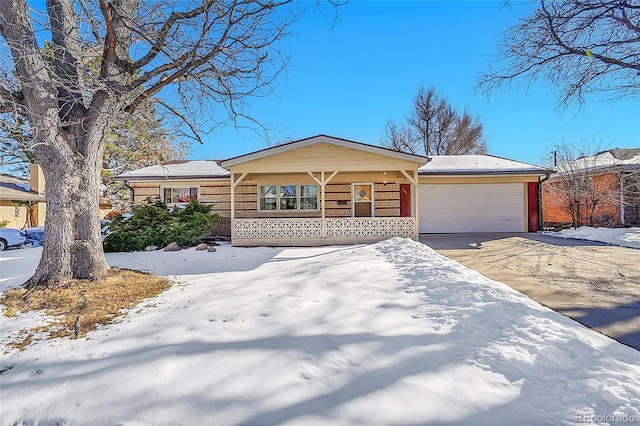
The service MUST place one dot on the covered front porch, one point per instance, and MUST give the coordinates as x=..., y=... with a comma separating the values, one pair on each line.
x=323, y=191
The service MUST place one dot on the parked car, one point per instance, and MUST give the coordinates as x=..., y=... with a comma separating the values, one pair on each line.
x=10, y=237
x=35, y=236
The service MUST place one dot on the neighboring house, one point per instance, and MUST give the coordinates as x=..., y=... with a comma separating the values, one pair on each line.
x=30, y=208
x=326, y=190
x=603, y=189
x=22, y=201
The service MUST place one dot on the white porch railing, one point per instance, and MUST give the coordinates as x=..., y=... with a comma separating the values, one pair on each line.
x=371, y=227
x=263, y=229
x=342, y=228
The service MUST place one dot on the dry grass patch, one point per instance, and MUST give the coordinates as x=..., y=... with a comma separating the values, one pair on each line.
x=79, y=306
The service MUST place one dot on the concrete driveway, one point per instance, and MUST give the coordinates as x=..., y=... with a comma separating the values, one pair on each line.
x=595, y=284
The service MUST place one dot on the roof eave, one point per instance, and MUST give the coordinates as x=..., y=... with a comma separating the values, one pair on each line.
x=485, y=172
x=166, y=178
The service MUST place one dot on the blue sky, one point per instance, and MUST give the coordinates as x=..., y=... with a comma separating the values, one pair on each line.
x=350, y=80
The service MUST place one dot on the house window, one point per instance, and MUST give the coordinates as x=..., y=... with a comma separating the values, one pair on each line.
x=180, y=195
x=268, y=197
x=362, y=195
x=287, y=197
x=308, y=197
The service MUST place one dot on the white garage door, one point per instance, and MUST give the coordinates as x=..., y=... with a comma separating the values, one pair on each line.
x=450, y=208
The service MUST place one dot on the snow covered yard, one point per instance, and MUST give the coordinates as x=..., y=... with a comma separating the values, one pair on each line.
x=626, y=237
x=390, y=333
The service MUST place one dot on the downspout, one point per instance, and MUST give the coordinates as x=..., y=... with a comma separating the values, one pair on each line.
x=131, y=194
x=622, y=218
x=540, y=220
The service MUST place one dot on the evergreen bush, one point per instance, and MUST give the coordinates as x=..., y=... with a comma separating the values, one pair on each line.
x=154, y=224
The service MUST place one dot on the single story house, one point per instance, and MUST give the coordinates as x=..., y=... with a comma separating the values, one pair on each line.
x=22, y=201
x=327, y=190
x=605, y=187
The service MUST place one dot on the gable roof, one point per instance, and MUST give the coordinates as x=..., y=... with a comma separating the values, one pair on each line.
x=478, y=164
x=194, y=169
x=625, y=154
x=359, y=146
x=432, y=165
x=15, y=188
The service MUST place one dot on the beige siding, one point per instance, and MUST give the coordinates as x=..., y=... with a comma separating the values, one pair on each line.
x=8, y=212
x=40, y=213
x=18, y=221
x=215, y=192
x=338, y=200
x=323, y=156
x=142, y=191
x=387, y=200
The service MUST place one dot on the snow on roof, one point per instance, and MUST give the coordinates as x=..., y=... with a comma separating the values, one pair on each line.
x=15, y=188
x=477, y=164
x=604, y=160
x=177, y=170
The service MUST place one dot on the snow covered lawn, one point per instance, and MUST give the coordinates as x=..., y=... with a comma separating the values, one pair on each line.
x=390, y=333
x=626, y=237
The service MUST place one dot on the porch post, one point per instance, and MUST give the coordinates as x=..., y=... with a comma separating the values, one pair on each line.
x=322, y=182
x=323, y=224
x=233, y=207
x=413, y=179
x=234, y=183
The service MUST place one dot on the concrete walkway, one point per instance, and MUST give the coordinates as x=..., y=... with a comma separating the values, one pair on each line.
x=595, y=284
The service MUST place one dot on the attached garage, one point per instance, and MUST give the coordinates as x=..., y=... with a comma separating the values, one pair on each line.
x=478, y=193
x=450, y=208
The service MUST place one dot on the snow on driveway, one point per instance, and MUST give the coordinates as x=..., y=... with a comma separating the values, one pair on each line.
x=390, y=333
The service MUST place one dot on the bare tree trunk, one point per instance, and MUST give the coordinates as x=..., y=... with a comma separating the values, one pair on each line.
x=73, y=244
x=209, y=51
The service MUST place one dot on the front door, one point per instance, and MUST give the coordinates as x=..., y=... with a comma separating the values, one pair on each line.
x=405, y=200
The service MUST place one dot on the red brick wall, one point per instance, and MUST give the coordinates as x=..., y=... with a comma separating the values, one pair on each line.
x=555, y=207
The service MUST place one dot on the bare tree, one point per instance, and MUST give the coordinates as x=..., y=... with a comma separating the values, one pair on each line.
x=199, y=54
x=597, y=188
x=579, y=46
x=400, y=138
x=435, y=128
x=574, y=186
x=631, y=197
x=140, y=140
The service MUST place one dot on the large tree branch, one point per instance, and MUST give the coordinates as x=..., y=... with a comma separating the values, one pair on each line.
x=37, y=88
x=554, y=32
x=579, y=47
x=67, y=62
x=159, y=43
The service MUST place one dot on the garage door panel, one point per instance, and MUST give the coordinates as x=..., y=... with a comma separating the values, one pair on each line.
x=471, y=207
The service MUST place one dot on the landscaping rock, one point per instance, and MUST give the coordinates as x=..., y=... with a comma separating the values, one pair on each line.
x=173, y=247
x=201, y=247
x=211, y=249
x=151, y=248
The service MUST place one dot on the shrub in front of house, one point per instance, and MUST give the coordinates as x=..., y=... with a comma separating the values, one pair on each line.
x=154, y=224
